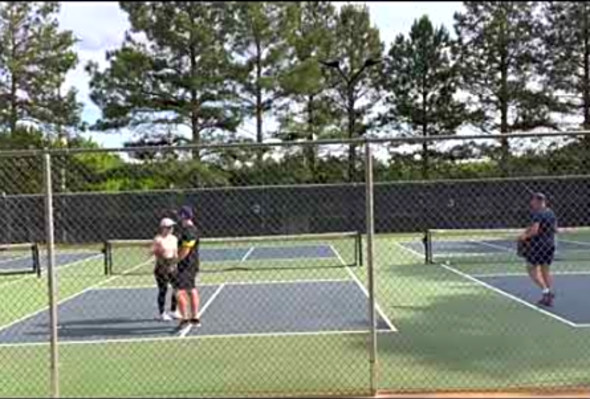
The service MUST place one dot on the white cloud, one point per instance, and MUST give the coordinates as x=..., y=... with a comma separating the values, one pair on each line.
x=100, y=26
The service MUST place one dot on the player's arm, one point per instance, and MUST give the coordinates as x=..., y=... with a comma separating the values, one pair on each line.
x=155, y=247
x=533, y=229
x=187, y=243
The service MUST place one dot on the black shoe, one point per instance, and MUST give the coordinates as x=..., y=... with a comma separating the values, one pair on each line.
x=550, y=297
x=195, y=321
x=183, y=327
x=546, y=300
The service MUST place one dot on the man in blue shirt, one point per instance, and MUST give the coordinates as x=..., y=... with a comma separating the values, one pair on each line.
x=540, y=236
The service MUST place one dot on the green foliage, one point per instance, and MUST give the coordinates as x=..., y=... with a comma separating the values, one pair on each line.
x=357, y=82
x=566, y=34
x=421, y=79
x=309, y=114
x=178, y=77
x=499, y=45
x=261, y=43
x=35, y=56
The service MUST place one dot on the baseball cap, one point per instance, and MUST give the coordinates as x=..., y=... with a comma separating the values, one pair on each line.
x=185, y=212
x=539, y=196
x=167, y=222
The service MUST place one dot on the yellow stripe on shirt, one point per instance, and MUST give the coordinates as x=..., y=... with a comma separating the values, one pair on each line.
x=189, y=244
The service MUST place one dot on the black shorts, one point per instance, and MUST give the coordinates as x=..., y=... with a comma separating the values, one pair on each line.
x=542, y=256
x=185, y=279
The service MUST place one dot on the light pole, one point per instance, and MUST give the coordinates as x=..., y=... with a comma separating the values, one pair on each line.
x=350, y=82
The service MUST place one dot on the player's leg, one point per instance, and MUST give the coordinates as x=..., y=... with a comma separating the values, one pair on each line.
x=182, y=285
x=170, y=276
x=545, y=271
x=174, y=307
x=162, y=283
x=536, y=276
x=195, y=306
x=535, y=260
x=195, y=300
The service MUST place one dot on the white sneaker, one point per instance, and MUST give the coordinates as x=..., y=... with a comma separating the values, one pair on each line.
x=176, y=315
x=165, y=317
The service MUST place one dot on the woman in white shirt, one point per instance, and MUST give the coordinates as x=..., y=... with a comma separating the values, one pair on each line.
x=165, y=249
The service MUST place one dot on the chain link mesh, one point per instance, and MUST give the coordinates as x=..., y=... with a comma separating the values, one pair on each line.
x=283, y=275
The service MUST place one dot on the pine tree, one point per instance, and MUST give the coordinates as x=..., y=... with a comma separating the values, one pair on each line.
x=421, y=79
x=358, y=51
x=260, y=42
x=309, y=114
x=499, y=45
x=35, y=56
x=566, y=33
x=178, y=74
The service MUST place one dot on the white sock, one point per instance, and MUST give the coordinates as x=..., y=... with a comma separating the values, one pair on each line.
x=546, y=291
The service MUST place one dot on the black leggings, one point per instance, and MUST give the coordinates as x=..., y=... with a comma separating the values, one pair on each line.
x=163, y=279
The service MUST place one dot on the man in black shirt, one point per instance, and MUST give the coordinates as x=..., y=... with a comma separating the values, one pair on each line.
x=540, y=236
x=187, y=269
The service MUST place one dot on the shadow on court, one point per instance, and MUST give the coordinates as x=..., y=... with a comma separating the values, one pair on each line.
x=338, y=306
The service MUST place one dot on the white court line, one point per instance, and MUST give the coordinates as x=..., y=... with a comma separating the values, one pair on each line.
x=364, y=290
x=487, y=244
x=522, y=274
x=144, y=286
x=89, y=288
x=410, y=250
x=507, y=295
x=247, y=254
x=581, y=243
x=199, y=337
x=210, y=301
x=58, y=269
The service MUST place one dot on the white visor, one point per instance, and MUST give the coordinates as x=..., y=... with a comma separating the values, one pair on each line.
x=167, y=222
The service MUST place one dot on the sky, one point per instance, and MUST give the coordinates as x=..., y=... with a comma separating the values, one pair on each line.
x=100, y=26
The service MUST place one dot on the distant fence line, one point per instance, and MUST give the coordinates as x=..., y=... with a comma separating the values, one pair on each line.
x=295, y=209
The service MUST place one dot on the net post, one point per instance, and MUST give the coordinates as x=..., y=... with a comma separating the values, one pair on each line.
x=36, y=259
x=110, y=257
x=106, y=252
x=51, y=281
x=427, y=241
x=370, y=226
x=359, y=248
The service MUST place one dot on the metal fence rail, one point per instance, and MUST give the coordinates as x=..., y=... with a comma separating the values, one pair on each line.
x=311, y=281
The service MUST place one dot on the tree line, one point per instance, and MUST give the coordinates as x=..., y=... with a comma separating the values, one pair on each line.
x=199, y=70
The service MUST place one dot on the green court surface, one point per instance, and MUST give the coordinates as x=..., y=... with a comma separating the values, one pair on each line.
x=452, y=333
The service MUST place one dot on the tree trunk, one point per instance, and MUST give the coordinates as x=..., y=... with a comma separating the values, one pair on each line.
x=425, y=160
x=586, y=82
x=13, y=106
x=259, y=136
x=310, y=150
x=13, y=89
x=351, y=135
x=195, y=128
x=504, y=128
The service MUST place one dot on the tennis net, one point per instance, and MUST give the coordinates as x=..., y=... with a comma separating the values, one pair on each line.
x=498, y=245
x=22, y=258
x=309, y=251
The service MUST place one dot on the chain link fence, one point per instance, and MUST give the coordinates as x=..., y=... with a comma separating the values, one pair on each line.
x=399, y=277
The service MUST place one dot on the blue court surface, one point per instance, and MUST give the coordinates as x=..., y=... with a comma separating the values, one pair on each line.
x=571, y=290
x=459, y=248
x=233, y=309
x=254, y=253
x=24, y=262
